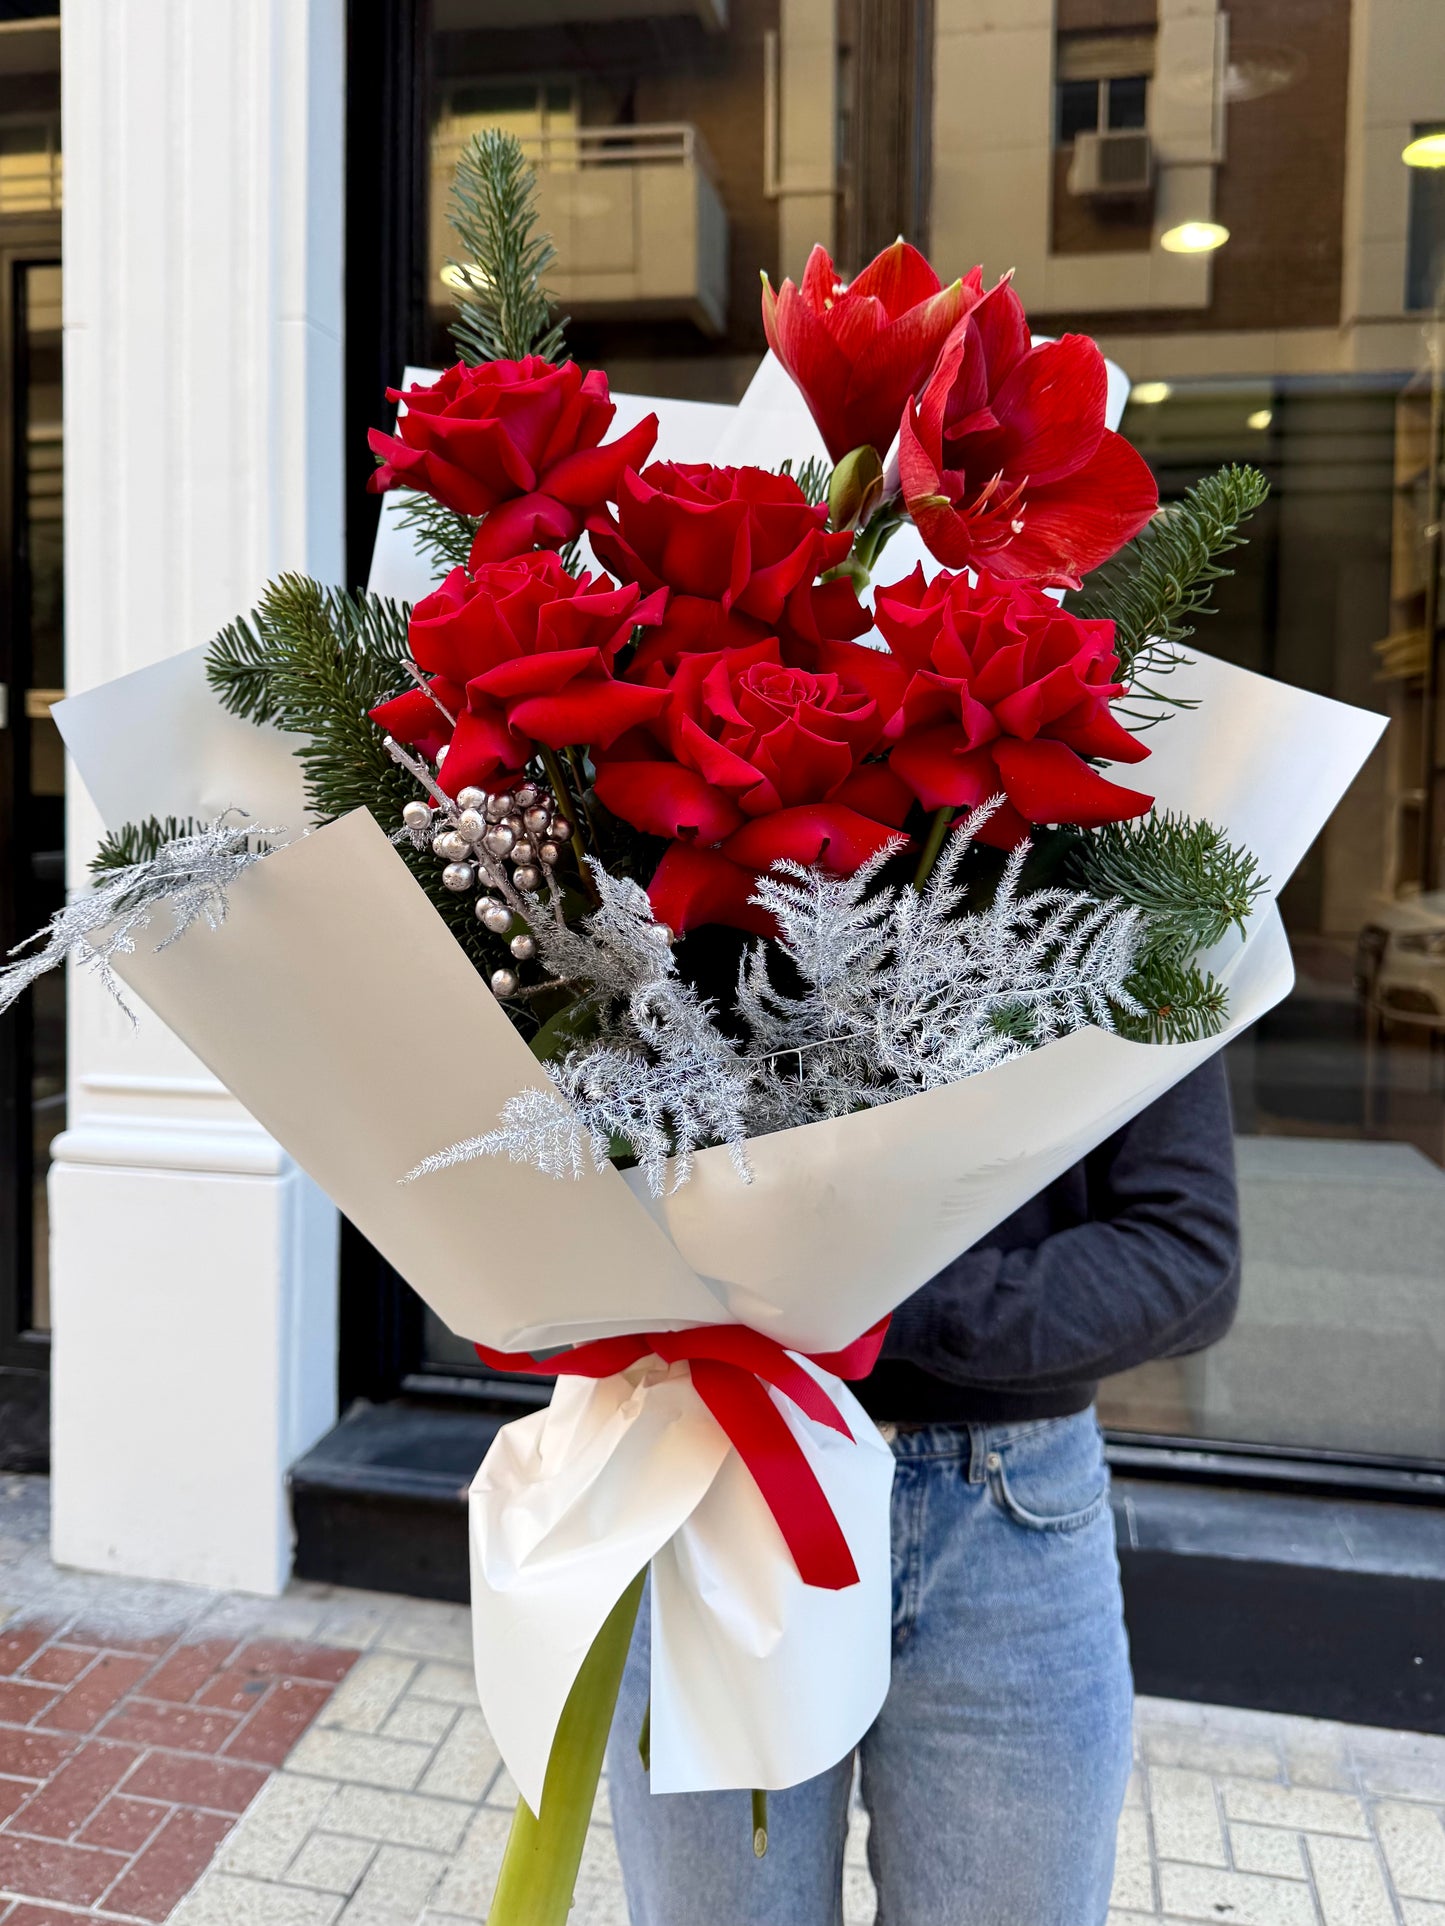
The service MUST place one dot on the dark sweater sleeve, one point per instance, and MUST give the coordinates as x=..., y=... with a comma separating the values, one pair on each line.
x=1153, y=1273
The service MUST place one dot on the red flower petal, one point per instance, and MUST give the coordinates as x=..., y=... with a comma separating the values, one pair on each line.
x=943, y=771
x=595, y=711
x=588, y=476
x=1071, y=526
x=531, y=521
x=1051, y=411
x=829, y=834
x=876, y=791
x=694, y=886
x=664, y=799
x=1048, y=783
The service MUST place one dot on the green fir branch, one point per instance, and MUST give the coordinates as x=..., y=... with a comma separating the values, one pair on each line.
x=1182, y=1003
x=442, y=536
x=504, y=309
x=812, y=478
x=140, y=842
x=313, y=661
x=1191, y=882
x=1156, y=589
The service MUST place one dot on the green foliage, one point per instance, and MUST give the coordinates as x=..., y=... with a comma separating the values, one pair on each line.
x=442, y=535
x=1191, y=882
x=1155, y=589
x=313, y=661
x=1183, y=1003
x=140, y=842
x=505, y=311
x=813, y=477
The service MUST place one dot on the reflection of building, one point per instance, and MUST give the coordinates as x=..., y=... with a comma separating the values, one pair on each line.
x=225, y=239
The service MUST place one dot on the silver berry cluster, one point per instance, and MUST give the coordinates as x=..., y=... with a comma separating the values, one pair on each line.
x=506, y=842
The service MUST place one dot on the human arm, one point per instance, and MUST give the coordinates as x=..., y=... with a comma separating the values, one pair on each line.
x=1154, y=1272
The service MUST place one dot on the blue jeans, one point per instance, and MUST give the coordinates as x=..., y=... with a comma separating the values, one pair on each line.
x=995, y=1773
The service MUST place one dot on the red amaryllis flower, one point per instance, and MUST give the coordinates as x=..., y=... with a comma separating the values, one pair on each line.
x=740, y=550
x=859, y=350
x=1005, y=460
x=754, y=760
x=519, y=655
x=1007, y=694
x=518, y=442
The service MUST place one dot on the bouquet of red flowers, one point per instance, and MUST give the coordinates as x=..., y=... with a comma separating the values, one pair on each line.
x=751, y=863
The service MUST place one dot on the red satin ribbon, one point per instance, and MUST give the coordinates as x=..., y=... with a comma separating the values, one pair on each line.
x=732, y=1366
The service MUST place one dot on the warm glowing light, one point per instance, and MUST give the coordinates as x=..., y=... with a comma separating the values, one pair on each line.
x=1194, y=237
x=1261, y=418
x=1426, y=150
x=1150, y=392
x=463, y=280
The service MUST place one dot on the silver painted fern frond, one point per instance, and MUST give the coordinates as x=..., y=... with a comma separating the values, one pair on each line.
x=189, y=876
x=901, y=992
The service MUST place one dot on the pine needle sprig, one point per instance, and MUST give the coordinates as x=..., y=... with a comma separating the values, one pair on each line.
x=136, y=843
x=1191, y=882
x=1180, y=1003
x=313, y=661
x=812, y=478
x=1155, y=590
x=442, y=536
x=505, y=312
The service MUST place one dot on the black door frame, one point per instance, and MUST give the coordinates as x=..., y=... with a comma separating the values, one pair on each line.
x=24, y=1352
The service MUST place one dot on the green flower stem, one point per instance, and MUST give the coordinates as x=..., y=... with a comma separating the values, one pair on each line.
x=570, y=809
x=942, y=822
x=760, y=1824
x=539, y=1866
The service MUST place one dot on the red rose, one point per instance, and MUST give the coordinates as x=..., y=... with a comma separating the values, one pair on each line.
x=754, y=760
x=1005, y=460
x=519, y=655
x=1006, y=694
x=518, y=442
x=858, y=351
x=739, y=549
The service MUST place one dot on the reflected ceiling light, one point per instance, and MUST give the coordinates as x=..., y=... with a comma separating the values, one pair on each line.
x=1426, y=150
x=1261, y=418
x=1150, y=392
x=1193, y=237
x=463, y=280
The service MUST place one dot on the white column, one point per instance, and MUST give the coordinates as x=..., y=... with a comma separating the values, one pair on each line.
x=194, y=1267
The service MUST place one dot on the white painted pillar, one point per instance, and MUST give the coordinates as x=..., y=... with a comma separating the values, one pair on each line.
x=193, y=1266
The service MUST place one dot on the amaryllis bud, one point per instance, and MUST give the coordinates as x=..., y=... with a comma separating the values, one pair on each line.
x=856, y=488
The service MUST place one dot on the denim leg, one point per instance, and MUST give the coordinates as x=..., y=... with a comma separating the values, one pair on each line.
x=996, y=1771
x=687, y=1857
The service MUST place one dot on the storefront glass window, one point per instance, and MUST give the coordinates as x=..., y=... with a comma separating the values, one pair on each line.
x=682, y=145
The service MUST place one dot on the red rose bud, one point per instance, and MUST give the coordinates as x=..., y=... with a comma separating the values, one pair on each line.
x=753, y=760
x=518, y=656
x=858, y=350
x=1006, y=693
x=739, y=549
x=518, y=442
x=1005, y=460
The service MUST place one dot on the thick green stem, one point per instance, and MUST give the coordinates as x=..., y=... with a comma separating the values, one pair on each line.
x=539, y=1866
x=937, y=835
x=760, y=1824
x=570, y=809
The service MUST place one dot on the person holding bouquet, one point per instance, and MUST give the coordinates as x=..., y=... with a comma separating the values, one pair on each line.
x=995, y=1774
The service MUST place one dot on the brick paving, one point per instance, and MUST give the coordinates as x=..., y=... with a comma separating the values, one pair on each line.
x=390, y=1806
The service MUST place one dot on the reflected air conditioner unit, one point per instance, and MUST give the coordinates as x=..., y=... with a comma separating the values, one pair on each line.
x=1112, y=165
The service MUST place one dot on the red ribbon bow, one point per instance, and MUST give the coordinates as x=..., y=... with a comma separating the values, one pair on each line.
x=732, y=1366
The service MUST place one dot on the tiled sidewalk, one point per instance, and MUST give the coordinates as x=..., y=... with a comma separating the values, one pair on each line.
x=391, y=1807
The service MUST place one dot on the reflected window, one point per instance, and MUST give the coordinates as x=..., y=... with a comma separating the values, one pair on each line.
x=1425, y=247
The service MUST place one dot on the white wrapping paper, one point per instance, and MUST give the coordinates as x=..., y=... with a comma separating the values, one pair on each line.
x=337, y=1008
